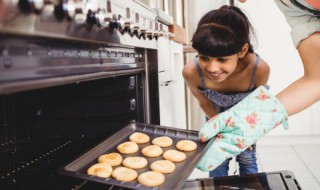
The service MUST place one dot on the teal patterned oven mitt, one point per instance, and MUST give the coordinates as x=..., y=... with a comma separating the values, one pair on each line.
x=241, y=126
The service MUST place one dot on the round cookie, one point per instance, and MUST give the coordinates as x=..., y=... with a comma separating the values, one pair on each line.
x=152, y=151
x=127, y=147
x=163, y=141
x=163, y=166
x=135, y=162
x=100, y=169
x=151, y=178
x=124, y=174
x=186, y=145
x=174, y=155
x=113, y=159
x=139, y=138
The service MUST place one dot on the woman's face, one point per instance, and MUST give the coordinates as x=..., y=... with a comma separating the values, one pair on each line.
x=217, y=69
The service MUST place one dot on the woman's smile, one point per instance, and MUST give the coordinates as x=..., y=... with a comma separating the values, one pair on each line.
x=216, y=75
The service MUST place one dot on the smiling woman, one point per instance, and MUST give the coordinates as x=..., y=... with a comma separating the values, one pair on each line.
x=226, y=69
x=218, y=69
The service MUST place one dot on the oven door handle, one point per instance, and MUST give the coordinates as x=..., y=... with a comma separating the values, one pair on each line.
x=132, y=83
x=166, y=83
x=133, y=104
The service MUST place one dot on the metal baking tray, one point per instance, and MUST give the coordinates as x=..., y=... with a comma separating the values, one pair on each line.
x=78, y=168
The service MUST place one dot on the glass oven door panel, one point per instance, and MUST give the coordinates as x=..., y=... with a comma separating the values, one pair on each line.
x=75, y=110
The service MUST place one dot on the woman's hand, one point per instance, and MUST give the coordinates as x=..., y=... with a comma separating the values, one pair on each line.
x=236, y=129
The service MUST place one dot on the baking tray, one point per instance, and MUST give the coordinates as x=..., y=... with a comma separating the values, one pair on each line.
x=78, y=168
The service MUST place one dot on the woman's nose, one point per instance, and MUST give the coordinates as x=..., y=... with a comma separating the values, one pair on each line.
x=213, y=67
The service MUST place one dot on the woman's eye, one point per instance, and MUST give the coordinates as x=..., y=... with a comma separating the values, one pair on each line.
x=204, y=58
x=222, y=60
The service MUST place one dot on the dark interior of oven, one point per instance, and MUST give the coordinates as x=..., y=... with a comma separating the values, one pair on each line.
x=43, y=129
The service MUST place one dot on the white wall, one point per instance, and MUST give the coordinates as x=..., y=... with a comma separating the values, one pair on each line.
x=276, y=47
x=197, y=8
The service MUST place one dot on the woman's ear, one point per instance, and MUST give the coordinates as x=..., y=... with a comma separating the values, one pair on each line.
x=244, y=50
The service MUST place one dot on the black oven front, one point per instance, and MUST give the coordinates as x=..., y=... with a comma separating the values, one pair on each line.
x=71, y=74
x=60, y=98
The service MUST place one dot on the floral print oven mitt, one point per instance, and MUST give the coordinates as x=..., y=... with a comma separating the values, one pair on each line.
x=241, y=126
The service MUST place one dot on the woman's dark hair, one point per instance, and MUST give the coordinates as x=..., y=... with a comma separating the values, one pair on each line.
x=222, y=32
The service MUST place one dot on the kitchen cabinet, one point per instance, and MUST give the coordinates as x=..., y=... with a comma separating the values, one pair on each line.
x=171, y=84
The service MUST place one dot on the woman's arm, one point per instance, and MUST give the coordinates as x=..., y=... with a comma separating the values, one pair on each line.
x=305, y=91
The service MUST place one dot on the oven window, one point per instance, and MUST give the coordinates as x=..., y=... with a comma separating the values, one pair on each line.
x=42, y=130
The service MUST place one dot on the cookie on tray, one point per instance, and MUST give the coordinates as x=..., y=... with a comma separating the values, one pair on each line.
x=186, y=145
x=103, y=170
x=163, y=166
x=151, y=178
x=113, y=159
x=124, y=174
x=139, y=138
x=152, y=151
x=163, y=141
x=128, y=147
x=174, y=155
x=135, y=162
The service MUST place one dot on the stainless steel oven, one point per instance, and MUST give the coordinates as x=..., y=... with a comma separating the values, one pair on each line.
x=72, y=72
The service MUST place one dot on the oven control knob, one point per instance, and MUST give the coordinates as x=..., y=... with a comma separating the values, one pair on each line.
x=59, y=11
x=72, y=8
x=160, y=33
x=69, y=9
x=103, y=18
x=127, y=22
x=136, y=30
x=149, y=31
x=156, y=30
x=115, y=22
x=121, y=23
x=29, y=6
x=89, y=18
x=143, y=28
x=149, y=34
x=136, y=25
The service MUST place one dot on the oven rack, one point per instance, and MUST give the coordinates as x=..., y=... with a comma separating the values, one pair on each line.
x=28, y=168
x=24, y=164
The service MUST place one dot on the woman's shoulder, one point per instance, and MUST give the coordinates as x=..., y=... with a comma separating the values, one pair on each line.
x=191, y=75
x=262, y=72
x=189, y=70
x=262, y=65
x=256, y=62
